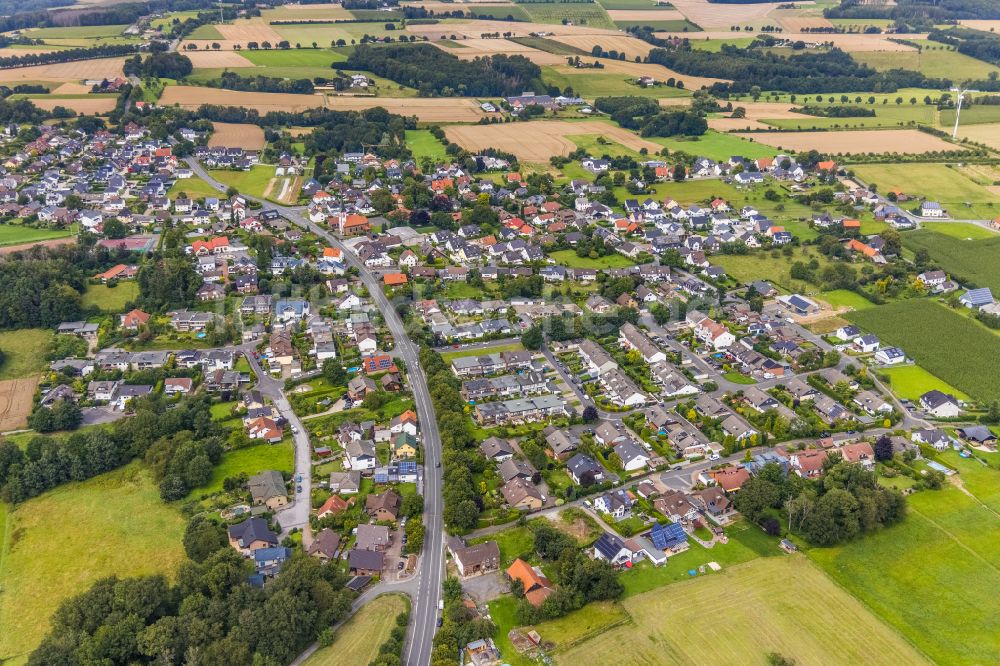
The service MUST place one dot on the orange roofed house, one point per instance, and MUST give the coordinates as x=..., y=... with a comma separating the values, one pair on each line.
x=394, y=279
x=216, y=245
x=353, y=224
x=134, y=319
x=537, y=587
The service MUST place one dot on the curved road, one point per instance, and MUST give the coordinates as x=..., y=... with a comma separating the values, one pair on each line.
x=431, y=569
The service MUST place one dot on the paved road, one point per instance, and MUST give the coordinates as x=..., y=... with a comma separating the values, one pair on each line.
x=431, y=568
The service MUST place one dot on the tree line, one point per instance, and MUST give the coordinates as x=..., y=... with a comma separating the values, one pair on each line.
x=67, y=55
x=159, y=65
x=157, y=432
x=434, y=72
x=802, y=73
x=645, y=116
x=845, y=502
x=259, y=83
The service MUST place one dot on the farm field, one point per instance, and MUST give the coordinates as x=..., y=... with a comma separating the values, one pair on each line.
x=630, y=46
x=777, y=271
x=717, y=145
x=424, y=144
x=919, y=326
x=960, y=230
x=905, y=141
x=766, y=612
x=228, y=59
x=715, y=16
x=912, y=381
x=120, y=511
x=886, y=116
x=306, y=12
x=245, y=135
x=937, y=182
x=24, y=352
x=427, y=109
x=933, y=64
x=110, y=299
x=192, y=97
x=932, y=574
x=78, y=32
x=972, y=261
x=972, y=115
x=539, y=140
x=16, y=234
x=249, y=461
x=851, y=43
x=322, y=57
x=593, y=83
x=569, y=258
x=16, y=399
x=98, y=68
x=579, y=13
x=84, y=106
x=987, y=134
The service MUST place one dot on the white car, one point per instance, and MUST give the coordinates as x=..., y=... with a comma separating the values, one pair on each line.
x=714, y=456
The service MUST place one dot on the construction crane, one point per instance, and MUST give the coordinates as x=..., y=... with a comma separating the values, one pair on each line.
x=958, y=107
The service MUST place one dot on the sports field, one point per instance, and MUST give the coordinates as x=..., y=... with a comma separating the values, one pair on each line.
x=358, y=640
x=253, y=182
x=956, y=348
x=912, y=381
x=782, y=605
x=61, y=542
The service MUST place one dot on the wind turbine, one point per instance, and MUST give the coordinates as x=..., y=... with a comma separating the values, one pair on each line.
x=958, y=107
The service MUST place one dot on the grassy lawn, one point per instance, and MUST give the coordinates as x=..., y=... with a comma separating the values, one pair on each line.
x=252, y=182
x=207, y=31
x=845, y=298
x=447, y=357
x=912, y=381
x=933, y=575
x=765, y=266
x=110, y=299
x=249, y=461
x=937, y=182
x=570, y=259
x=960, y=230
x=194, y=187
x=513, y=542
x=502, y=613
x=739, y=378
x=966, y=261
x=61, y=542
x=16, y=234
x=940, y=341
x=591, y=620
x=24, y=352
x=781, y=605
x=358, y=640
x=424, y=144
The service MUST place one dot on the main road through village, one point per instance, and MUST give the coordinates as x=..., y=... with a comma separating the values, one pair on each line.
x=429, y=574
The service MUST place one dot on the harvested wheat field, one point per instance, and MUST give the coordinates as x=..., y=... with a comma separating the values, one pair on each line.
x=476, y=48
x=217, y=59
x=768, y=110
x=9, y=52
x=539, y=140
x=300, y=131
x=431, y=109
x=249, y=30
x=721, y=16
x=191, y=97
x=985, y=26
x=645, y=15
x=85, y=106
x=244, y=135
x=476, y=28
x=987, y=133
x=98, y=68
x=847, y=42
x=792, y=22
x=630, y=46
x=658, y=72
x=906, y=141
x=735, y=124
x=16, y=396
x=71, y=89
x=324, y=11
